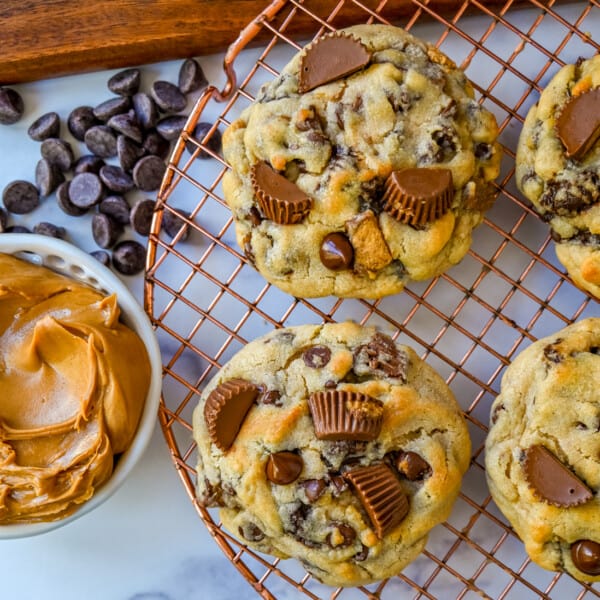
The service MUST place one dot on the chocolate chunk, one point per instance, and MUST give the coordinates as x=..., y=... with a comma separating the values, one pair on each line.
x=313, y=488
x=336, y=251
x=126, y=82
x=316, y=357
x=126, y=124
x=129, y=257
x=226, y=408
x=586, y=556
x=578, y=124
x=44, y=127
x=155, y=144
x=345, y=415
x=20, y=197
x=47, y=177
x=170, y=127
x=343, y=536
x=111, y=107
x=417, y=196
x=381, y=495
x=116, y=207
x=81, y=119
x=116, y=179
x=101, y=256
x=12, y=106
x=283, y=467
x=329, y=58
x=128, y=152
x=105, y=230
x=88, y=164
x=412, y=466
x=148, y=173
x=191, y=77
x=280, y=200
x=213, y=143
x=49, y=229
x=172, y=223
x=168, y=97
x=339, y=484
x=251, y=532
x=145, y=110
x=141, y=216
x=64, y=202
x=86, y=190
x=101, y=140
x=380, y=357
x=58, y=153
x=272, y=397
x=551, y=481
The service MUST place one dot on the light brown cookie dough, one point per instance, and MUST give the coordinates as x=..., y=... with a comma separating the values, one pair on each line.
x=558, y=167
x=299, y=432
x=338, y=143
x=543, y=450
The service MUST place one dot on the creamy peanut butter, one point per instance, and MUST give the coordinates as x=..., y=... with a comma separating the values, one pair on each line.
x=73, y=382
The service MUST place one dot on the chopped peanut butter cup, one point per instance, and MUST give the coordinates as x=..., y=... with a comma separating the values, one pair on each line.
x=329, y=58
x=552, y=481
x=280, y=200
x=380, y=492
x=578, y=125
x=345, y=415
x=416, y=196
x=226, y=408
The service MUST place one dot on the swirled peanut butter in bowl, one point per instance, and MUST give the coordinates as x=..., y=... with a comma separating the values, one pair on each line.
x=74, y=380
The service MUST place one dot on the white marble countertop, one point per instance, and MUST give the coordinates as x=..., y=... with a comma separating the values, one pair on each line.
x=146, y=542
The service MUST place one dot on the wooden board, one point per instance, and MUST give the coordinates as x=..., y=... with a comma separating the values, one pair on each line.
x=46, y=38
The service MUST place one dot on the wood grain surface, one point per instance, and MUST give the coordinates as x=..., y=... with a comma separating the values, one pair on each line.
x=46, y=38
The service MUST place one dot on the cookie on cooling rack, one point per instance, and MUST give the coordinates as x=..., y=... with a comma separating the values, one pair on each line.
x=333, y=445
x=558, y=167
x=366, y=164
x=543, y=450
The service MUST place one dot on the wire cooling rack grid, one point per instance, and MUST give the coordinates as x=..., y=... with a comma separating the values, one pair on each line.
x=206, y=301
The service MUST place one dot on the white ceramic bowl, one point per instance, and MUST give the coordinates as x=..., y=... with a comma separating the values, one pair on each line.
x=69, y=260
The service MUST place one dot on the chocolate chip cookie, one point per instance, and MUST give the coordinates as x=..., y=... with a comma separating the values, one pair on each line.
x=354, y=176
x=331, y=444
x=558, y=167
x=543, y=450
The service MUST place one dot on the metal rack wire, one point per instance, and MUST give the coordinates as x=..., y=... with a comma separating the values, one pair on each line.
x=206, y=300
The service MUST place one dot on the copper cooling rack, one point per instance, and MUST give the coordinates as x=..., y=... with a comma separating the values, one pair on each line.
x=206, y=301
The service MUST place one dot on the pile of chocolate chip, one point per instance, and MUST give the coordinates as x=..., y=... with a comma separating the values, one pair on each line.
x=134, y=128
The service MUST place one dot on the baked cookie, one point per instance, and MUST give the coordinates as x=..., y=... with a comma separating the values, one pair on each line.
x=357, y=175
x=333, y=445
x=558, y=167
x=543, y=450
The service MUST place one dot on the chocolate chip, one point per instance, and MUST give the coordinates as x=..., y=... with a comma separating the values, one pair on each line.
x=168, y=97
x=483, y=151
x=129, y=257
x=127, y=124
x=412, y=466
x=141, y=216
x=191, y=77
x=80, y=119
x=272, y=397
x=316, y=357
x=251, y=532
x=155, y=144
x=336, y=252
x=586, y=556
x=170, y=127
x=101, y=256
x=58, y=153
x=347, y=533
x=64, y=202
x=148, y=173
x=11, y=106
x=213, y=143
x=125, y=83
x=552, y=352
x=380, y=357
x=20, y=197
x=145, y=110
x=283, y=467
x=314, y=488
x=17, y=229
x=50, y=230
x=101, y=140
x=172, y=224
x=128, y=152
x=105, y=230
x=88, y=163
x=86, y=190
x=362, y=554
x=115, y=207
x=116, y=179
x=111, y=107
x=47, y=177
x=44, y=127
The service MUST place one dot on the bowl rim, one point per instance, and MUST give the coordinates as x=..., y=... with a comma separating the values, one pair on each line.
x=66, y=258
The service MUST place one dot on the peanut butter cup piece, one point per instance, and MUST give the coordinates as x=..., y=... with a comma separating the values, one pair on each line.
x=552, y=481
x=283, y=467
x=280, y=200
x=586, y=556
x=226, y=408
x=345, y=415
x=416, y=196
x=329, y=58
x=578, y=124
x=380, y=493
